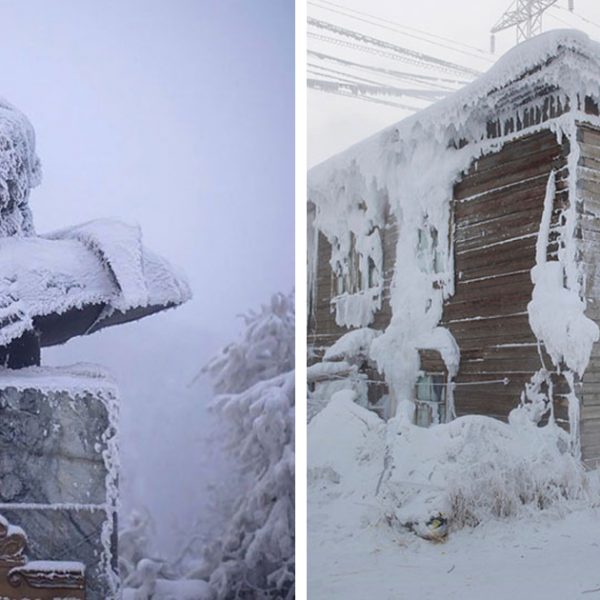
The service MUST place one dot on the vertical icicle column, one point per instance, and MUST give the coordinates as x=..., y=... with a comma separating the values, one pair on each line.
x=556, y=311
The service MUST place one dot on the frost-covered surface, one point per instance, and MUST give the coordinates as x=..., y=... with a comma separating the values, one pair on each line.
x=252, y=553
x=413, y=166
x=79, y=381
x=143, y=278
x=265, y=350
x=255, y=556
x=353, y=344
x=326, y=378
x=146, y=584
x=556, y=312
x=102, y=262
x=548, y=555
x=257, y=553
x=19, y=171
x=372, y=484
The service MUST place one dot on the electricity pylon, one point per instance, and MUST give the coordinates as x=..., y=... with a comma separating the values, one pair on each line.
x=526, y=16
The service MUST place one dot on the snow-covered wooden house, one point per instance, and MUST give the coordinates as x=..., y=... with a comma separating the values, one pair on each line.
x=454, y=258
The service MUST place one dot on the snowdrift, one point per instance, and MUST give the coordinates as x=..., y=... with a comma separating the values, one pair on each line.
x=470, y=470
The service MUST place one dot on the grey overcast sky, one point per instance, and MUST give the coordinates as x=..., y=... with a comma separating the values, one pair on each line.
x=334, y=122
x=177, y=115
x=174, y=114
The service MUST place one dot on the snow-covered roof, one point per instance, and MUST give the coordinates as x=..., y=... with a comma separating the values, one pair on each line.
x=102, y=264
x=566, y=60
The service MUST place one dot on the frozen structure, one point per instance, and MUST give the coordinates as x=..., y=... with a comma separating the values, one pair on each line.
x=58, y=452
x=454, y=257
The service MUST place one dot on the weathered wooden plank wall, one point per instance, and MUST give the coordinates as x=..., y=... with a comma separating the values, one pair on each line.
x=588, y=191
x=323, y=331
x=498, y=206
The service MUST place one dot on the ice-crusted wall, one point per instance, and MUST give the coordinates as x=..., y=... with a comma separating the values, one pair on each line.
x=350, y=212
x=59, y=467
x=541, y=84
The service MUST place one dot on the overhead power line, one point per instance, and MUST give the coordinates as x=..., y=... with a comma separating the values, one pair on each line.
x=571, y=9
x=374, y=87
x=440, y=82
x=484, y=53
x=336, y=41
x=396, y=29
x=420, y=57
x=353, y=91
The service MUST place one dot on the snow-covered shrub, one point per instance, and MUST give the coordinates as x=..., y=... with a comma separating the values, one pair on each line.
x=255, y=379
x=251, y=553
x=470, y=470
x=265, y=350
x=501, y=470
x=135, y=537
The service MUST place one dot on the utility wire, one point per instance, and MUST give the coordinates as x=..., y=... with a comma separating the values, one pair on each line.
x=369, y=89
x=396, y=24
x=326, y=87
x=418, y=56
x=373, y=51
x=377, y=86
x=556, y=18
x=403, y=75
x=577, y=15
x=396, y=30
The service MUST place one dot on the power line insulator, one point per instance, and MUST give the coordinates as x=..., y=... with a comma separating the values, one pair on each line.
x=571, y=5
x=492, y=43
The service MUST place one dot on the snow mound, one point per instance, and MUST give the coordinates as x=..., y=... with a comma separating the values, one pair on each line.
x=470, y=470
x=349, y=456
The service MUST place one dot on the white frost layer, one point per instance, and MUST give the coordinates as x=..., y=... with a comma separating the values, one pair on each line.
x=413, y=166
x=77, y=380
x=358, y=309
x=19, y=171
x=472, y=469
x=143, y=278
x=556, y=318
x=353, y=344
x=102, y=262
x=443, y=341
x=556, y=312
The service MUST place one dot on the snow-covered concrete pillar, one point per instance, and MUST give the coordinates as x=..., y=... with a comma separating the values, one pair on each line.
x=58, y=467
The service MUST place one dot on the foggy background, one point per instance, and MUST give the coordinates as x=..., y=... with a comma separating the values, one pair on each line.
x=334, y=122
x=177, y=115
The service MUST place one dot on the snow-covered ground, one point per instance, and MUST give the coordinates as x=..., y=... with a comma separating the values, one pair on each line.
x=550, y=557
x=373, y=483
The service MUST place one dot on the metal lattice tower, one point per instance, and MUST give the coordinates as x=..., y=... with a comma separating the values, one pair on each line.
x=526, y=17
